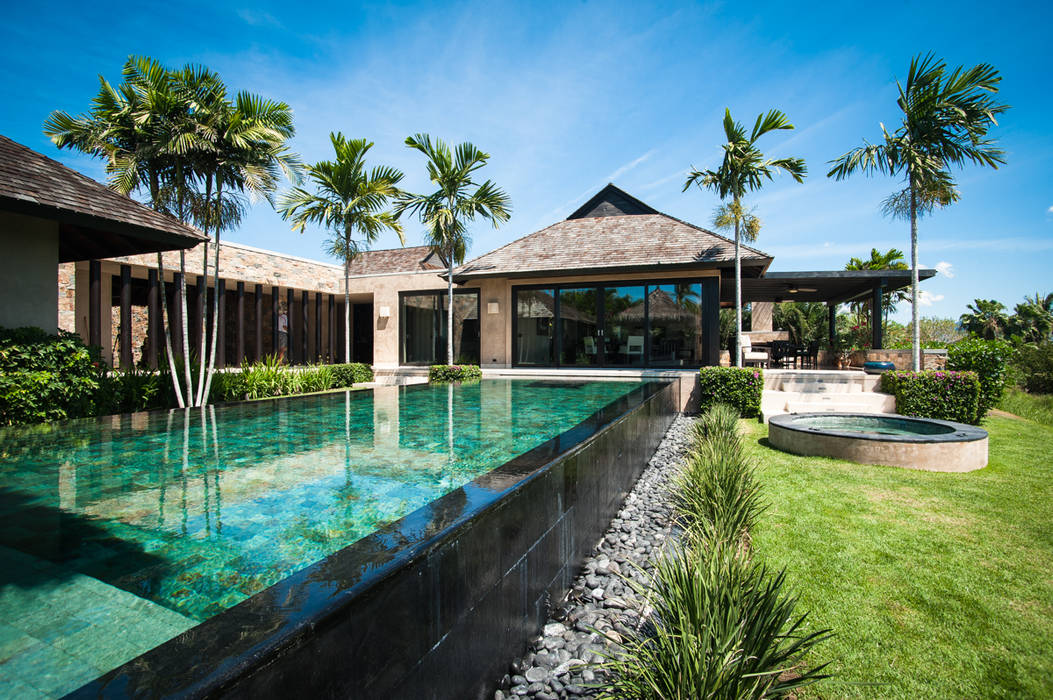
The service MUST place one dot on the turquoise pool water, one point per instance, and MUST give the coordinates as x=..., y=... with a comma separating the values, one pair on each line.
x=117, y=534
x=874, y=425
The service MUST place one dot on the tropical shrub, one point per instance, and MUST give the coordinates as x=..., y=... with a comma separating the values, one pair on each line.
x=351, y=373
x=46, y=377
x=722, y=628
x=454, y=373
x=938, y=394
x=738, y=387
x=131, y=390
x=990, y=360
x=1033, y=367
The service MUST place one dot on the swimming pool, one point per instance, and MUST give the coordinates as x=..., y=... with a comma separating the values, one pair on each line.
x=120, y=533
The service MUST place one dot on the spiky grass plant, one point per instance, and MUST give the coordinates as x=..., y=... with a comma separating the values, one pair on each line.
x=722, y=628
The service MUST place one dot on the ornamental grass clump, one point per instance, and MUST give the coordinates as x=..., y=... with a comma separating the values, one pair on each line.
x=722, y=627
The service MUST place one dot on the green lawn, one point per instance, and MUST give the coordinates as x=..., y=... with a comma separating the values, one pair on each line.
x=936, y=585
x=1036, y=407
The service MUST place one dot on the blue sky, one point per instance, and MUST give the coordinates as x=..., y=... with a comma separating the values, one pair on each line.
x=569, y=96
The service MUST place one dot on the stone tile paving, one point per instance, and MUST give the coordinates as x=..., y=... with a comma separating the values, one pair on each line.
x=601, y=607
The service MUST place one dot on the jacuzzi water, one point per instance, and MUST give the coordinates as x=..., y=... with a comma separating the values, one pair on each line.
x=117, y=534
x=873, y=425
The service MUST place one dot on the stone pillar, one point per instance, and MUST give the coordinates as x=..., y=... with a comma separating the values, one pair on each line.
x=305, y=357
x=318, y=354
x=239, y=323
x=95, y=303
x=221, y=323
x=258, y=308
x=332, y=328
x=275, y=310
x=290, y=296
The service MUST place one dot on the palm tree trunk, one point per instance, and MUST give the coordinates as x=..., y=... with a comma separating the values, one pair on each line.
x=201, y=392
x=347, y=310
x=166, y=331
x=449, y=311
x=203, y=396
x=186, y=331
x=915, y=330
x=738, y=293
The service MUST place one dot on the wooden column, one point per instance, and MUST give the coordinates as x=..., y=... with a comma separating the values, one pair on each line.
x=877, y=340
x=318, y=354
x=126, y=317
x=831, y=321
x=290, y=299
x=153, y=314
x=275, y=310
x=305, y=311
x=710, y=321
x=175, y=316
x=332, y=328
x=196, y=296
x=221, y=323
x=258, y=308
x=239, y=323
x=94, y=303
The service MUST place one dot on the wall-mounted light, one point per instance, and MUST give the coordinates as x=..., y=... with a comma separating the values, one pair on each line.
x=493, y=307
x=385, y=312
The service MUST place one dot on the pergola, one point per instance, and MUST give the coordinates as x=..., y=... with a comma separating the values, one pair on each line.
x=831, y=287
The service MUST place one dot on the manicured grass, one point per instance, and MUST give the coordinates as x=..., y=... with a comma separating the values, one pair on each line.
x=936, y=585
x=1036, y=407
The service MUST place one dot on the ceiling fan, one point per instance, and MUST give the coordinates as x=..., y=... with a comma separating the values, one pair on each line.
x=793, y=289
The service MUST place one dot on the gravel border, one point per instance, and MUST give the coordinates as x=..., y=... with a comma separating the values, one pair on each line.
x=600, y=600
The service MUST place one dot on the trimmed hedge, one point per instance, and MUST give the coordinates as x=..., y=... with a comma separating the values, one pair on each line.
x=938, y=394
x=454, y=373
x=351, y=373
x=990, y=360
x=738, y=387
x=45, y=377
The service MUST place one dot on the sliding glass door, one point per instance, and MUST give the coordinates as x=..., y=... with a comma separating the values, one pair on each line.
x=423, y=333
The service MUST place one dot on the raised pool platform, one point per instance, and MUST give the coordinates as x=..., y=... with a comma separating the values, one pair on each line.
x=255, y=535
x=901, y=441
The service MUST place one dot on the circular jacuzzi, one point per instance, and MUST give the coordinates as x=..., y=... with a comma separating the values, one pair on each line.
x=881, y=438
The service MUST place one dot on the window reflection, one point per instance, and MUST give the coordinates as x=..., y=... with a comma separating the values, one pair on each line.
x=676, y=324
x=536, y=327
x=423, y=317
x=624, y=325
x=579, y=331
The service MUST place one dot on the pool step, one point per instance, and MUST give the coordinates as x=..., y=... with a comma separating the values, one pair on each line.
x=858, y=401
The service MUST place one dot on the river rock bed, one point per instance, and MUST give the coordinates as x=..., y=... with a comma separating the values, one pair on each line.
x=601, y=607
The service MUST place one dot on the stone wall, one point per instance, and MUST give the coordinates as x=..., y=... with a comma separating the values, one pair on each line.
x=903, y=359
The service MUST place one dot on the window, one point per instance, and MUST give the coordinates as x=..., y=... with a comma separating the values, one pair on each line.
x=423, y=316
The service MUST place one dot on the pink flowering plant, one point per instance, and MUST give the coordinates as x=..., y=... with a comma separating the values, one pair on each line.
x=939, y=394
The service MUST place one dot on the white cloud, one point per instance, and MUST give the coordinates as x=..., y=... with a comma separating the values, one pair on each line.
x=945, y=268
x=629, y=166
x=1050, y=210
x=258, y=18
x=926, y=298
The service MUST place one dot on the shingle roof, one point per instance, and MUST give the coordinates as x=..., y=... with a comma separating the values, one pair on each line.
x=379, y=262
x=610, y=241
x=95, y=221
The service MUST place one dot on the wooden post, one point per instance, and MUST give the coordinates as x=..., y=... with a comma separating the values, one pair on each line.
x=221, y=323
x=274, y=320
x=94, y=303
x=240, y=323
x=710, y=321
x=831, y=310
x=258, y=298
x=196, y=296
x=318, y=327
x=304, y=313
x=153, y=312
x=290, y=297
x=175, y=316
x=126, y=316
x=877, y=340
x=332, y=328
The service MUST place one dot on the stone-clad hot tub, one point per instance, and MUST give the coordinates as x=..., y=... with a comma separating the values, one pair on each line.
x=902, y=441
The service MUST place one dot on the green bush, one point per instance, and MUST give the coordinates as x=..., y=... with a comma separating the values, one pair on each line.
x=722, y=628
x=454, y=373
x=939, y=394
x=739, y=387
x=128, y=391
x=46, y=377
x=351, y=373
x=990, y=360
x=1033, y=366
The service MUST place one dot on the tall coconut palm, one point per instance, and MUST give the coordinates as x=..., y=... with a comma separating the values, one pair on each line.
x=446, y=212
x=986, y=319
x=348, y=200
x=892, y=259
x=744, y=169
x=946, y=117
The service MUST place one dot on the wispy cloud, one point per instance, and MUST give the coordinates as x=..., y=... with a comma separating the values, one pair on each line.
x=927, y=298
x=259, y=18
x=629, y=166
x=1050, y=210
x=945, y=268
x=668, y=178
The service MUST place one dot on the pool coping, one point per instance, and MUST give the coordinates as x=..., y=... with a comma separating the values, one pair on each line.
x=236, y=641
x=961, y=432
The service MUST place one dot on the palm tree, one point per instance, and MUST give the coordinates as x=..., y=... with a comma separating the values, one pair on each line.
x=892, y=259
x=743, y=170
x=946, y=117
x=986, y=319
x=1033, y=319
x=347, y=200
x=446, y=212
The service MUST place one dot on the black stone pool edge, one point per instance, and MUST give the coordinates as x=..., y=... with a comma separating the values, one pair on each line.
x=429, y=605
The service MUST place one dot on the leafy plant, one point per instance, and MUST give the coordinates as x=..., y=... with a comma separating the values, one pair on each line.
x=454, y=373
x=351, y=373
x=953, y=396
x=990, y=359
x=130, y=390
x=722, y=628
x=46, y=377
x=739, y=387
x=1033, y=367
